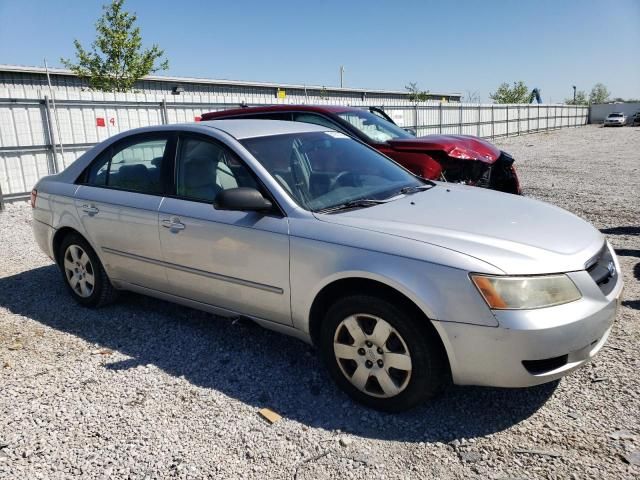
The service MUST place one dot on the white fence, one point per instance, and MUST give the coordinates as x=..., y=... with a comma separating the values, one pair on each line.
x=36, y=141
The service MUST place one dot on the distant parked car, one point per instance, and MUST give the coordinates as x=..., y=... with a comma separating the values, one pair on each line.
x=452, y=158
x=636, y=119
x=402, y=283
x=615, y=119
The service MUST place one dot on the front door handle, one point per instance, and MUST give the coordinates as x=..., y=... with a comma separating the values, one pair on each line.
x=90, y=209
x=173, y=224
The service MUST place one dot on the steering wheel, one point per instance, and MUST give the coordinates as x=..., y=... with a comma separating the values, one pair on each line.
x=345, y=179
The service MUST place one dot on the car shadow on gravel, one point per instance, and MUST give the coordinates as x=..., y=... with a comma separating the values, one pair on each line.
x=630, y=230
x=256, y=366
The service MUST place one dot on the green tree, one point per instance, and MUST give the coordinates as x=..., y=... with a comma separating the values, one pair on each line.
x=581, y=99
x=518, y=93
x=599, y=94
x=415, y=94
x=116, y=59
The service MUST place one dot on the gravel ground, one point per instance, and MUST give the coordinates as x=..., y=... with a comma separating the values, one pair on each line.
x=146, y=389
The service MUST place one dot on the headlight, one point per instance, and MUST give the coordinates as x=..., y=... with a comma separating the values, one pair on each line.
x=520, y=293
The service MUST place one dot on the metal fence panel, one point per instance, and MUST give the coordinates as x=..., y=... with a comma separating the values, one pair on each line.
x=30, y=146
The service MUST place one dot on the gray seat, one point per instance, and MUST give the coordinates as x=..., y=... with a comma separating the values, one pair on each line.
x=132, y=177
x=199, y=179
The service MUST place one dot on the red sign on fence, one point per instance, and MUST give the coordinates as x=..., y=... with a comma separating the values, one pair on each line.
x=100, y=122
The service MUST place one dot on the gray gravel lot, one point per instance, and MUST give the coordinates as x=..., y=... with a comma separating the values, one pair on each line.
x=147, y=389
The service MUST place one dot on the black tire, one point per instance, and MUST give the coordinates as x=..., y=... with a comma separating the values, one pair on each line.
x=429, y=366
x=102, y=292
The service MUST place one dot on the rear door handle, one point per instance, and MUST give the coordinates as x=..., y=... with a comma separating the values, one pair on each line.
x=173, y=223
x=90, y=209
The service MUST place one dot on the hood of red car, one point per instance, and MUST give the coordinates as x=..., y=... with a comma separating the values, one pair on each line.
x=462, y=147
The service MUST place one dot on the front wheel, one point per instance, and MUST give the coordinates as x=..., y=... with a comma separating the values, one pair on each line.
x=381, y=355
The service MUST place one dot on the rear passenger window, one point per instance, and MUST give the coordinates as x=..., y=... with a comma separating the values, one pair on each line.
x=271, y=116
x=134, y=167
x=316, y=120
x=97, y=174
x=137, y=167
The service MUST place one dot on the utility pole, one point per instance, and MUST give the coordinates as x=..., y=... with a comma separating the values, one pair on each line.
x=341, y=76
x=574, y=94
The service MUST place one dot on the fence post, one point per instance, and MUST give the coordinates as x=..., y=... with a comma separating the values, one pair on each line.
x=492, y=124
x=518, y=124
x=165, y=113
x=1, y=199
x=460, y=122
x=53, y=164
x=415, y=109
x=547, y=112
x=440, y=116
x=479, y=119
x=528, y=118
x=507, y=119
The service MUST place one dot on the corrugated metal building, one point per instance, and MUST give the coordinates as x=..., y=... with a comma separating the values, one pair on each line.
x=25, y=82
x=37, y=139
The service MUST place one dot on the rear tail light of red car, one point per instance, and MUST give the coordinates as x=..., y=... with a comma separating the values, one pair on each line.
x=34, y=195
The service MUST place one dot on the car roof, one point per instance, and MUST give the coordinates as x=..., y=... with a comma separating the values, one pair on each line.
x=241, y=129
x=282, y=108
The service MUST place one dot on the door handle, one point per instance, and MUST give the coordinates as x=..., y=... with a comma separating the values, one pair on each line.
x=173, y=224
x=90, y=209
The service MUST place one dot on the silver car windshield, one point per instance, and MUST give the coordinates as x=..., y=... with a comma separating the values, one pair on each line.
x=322, y=170
x=374, y=127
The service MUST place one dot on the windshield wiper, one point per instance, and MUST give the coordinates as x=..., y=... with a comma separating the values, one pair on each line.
x=359, y=203
x=416, y=188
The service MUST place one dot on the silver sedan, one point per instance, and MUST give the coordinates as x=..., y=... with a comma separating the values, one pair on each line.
x=617, y=119
x=403, y=284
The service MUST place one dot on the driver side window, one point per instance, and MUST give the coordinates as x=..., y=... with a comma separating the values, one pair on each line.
x=205, y=168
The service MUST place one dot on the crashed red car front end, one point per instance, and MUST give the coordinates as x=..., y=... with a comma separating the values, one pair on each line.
x=451, y=158
x=456, y=158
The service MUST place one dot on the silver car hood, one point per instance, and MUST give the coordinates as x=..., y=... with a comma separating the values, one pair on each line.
x=518, y=235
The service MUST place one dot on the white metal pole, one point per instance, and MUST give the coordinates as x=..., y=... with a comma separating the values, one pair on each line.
x=55, y=111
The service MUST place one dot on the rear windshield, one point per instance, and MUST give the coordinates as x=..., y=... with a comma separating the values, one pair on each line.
x=613, y=115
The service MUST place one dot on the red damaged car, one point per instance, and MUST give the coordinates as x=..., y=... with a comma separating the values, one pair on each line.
x=451, y=158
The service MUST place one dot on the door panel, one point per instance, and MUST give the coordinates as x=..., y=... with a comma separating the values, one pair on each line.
x=118, y=205
x=234, y=260
x=123, y=226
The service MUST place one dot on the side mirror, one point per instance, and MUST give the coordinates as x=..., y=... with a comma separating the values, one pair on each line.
x=412, y=131
x=242, y=199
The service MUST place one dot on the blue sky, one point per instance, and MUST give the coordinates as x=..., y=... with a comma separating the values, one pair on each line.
x=453, y=46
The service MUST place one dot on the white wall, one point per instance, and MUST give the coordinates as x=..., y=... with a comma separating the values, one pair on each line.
x=600, y=111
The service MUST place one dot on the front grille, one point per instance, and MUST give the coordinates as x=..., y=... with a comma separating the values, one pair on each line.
x=603, y=270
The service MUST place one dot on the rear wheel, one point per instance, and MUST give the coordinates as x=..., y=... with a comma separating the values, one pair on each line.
x=83, y=273
x=381, y=356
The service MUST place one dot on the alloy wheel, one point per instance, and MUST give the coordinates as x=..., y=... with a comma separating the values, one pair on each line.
x=79, y=271
x=372, y=355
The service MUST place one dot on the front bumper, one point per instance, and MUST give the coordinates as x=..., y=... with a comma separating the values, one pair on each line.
x=530, y=347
